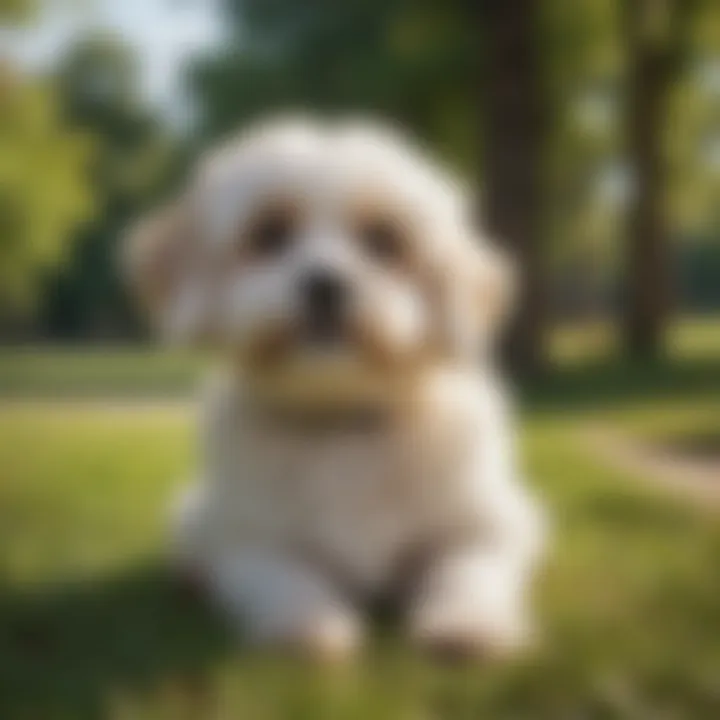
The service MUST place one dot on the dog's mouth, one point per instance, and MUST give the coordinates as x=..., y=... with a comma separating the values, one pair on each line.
x=316, y=343
x=323, y=333
x=306, y=339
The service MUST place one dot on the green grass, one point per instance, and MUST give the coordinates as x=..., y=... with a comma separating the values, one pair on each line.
x=68, y=372
x=92, y=627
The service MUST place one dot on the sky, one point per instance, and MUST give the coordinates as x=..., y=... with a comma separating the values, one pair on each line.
x=164, y=32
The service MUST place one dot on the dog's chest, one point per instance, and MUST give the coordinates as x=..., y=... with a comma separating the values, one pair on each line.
x=357, y=499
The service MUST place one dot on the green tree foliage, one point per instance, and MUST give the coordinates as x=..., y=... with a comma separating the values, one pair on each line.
x=17, y=11
x=134, y=159
x=693, y=129
x=45, y=192
x=413, y=62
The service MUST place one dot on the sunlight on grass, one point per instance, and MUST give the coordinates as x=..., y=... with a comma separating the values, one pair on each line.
x=83, y=487
x=697, y=338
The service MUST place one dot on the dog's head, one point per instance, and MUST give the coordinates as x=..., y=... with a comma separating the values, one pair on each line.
x=328, y=260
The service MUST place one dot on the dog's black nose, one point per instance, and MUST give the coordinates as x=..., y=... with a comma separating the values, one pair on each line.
x=324, y=293
x=325, y=296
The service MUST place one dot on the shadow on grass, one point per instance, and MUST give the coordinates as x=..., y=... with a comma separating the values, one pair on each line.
x=71, y=651
x=605, y=386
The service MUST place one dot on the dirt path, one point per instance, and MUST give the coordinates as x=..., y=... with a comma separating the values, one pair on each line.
x=697, y=479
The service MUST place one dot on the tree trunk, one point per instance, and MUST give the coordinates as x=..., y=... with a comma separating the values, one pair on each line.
x=513, y=156
x=648, y=271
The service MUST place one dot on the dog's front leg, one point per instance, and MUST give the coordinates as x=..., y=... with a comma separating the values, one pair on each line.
x=283, y=601
x=473, y=601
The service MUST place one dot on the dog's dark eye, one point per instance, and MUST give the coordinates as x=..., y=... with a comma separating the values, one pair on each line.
x=383, y=240
x=271, y=234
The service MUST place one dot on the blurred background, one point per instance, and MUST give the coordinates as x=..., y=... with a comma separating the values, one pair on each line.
x=592, y=131
x=592, y=128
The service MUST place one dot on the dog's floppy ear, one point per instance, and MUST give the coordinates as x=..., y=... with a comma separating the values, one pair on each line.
x=157, y=259
x=474, y=295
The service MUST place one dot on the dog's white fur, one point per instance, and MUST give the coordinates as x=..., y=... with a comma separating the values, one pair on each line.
x=292, y=523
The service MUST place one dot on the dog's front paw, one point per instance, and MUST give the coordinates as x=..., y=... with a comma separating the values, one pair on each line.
x=330, y=639
x=460, y=629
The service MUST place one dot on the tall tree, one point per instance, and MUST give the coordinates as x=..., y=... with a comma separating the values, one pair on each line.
x=514, y=135
x=656, y=34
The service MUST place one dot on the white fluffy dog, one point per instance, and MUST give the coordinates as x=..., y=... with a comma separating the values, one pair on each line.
x=357, y=441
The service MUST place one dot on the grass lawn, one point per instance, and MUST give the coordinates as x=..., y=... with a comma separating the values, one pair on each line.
x=91, y=627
